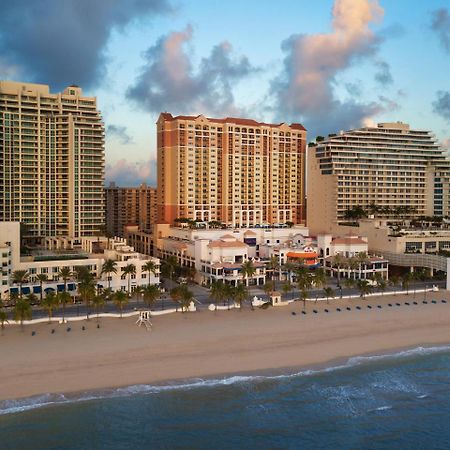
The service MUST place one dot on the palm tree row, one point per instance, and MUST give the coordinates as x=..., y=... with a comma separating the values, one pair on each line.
x=352, y=264
x=221, y=292
x=358, y=212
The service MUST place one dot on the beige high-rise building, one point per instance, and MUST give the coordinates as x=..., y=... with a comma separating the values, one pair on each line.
x=389, y=170
x=236, y=171
x=129, y=206
x=52, y=154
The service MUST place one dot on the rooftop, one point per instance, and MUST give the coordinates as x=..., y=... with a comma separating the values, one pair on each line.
x=234, y=120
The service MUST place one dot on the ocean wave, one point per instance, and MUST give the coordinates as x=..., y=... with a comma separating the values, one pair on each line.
x=49, y=399
x=382, y=408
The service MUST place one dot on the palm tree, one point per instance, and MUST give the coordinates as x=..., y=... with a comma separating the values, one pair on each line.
x=189, y=272
x=227, y=293
x=63, y=298
x=65, y=274
x=86, y=290
x=304, y=294
x=109, y=267
x=128, y=270
x=304, y=280
x=186, y=297
x=3, y=319
x=175, y=293
x=362, y=259
x=82, y=273
x=107, y=294
x=169, y=265
x=239, y=294
x=32, y=299
x=120, y=300
x=320, y=278
x=20, y=277
x=329, y=293
x=217, y=291
x=41, y=277
x=13, y=298
x=98, y=301
x=247, y=271
x=353, y=264
x=273, y=265
x=151, y=294
x=269, y=287
x=50, y=303
x=286, y=288
x=382, y=285
x=22, y=311
x=338, y=261
x=150, y=267
x=395, y=280
x=304, y=283
x=363, y=287
x=406, y=280
x=289, y=267
x=349, y=283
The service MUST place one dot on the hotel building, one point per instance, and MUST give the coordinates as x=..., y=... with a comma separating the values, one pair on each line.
x=390, y=166
x=52, y=154
x=129, y=206
x=71, y=253
x=236, y=171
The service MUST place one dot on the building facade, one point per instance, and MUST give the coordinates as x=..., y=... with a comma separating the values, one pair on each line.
x=389, y=171
x=52, y=157
x=235, y=171
x=72, y=254
x=129, y=206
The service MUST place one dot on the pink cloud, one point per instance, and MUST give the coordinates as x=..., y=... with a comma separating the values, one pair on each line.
x=306, y=86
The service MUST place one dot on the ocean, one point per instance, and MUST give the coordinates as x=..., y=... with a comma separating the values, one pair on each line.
x=399, y=401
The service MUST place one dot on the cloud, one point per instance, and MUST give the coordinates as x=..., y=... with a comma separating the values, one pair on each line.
x=441, y=105
x=440, y=23
x=354, y=89
x=129, y=174
x=63, y=41
x=383, y=76
x=168, y=81
x=121, y=133
x=305, y=88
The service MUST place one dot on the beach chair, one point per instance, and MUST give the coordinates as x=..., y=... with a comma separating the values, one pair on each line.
x=144, y=319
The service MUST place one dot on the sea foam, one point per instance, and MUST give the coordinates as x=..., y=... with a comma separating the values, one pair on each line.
x=52, y=399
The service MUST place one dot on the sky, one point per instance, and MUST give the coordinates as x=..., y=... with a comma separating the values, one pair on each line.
x=329, y=64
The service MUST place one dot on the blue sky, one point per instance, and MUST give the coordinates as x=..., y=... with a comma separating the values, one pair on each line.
x=329, y=64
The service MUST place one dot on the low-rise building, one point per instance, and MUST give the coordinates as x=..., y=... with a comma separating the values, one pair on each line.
x=72, y=254
x=404, y=238
x=218, y=253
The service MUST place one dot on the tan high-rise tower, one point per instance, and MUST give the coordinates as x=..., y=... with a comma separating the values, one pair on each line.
x=129, y=206
x=236, y=171
x=52, y=158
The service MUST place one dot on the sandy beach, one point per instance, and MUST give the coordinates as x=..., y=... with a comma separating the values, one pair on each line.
x=206, y=344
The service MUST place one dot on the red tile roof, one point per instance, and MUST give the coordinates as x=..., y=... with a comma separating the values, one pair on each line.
x=234, y=120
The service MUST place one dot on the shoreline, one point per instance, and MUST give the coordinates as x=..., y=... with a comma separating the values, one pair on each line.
x=214, y=345
x=28, y=403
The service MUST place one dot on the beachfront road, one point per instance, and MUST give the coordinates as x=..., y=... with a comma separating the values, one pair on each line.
x=203, y=300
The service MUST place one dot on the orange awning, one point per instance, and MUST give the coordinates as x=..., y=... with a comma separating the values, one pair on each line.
x=303, y=255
